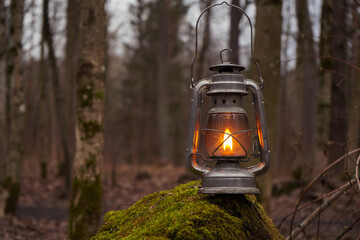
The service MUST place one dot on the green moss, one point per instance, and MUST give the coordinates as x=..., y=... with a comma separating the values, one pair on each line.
x=86, y=95
x=89, y=128
x=100, y=95
x=85, y=208
x=183, y=214
x=13, y=189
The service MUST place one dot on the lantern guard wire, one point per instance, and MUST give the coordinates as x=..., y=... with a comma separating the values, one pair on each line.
x=229, y=135
x=251, y=41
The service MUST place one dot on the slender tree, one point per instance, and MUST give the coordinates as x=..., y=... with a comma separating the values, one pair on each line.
x=85, y=205
x=339, y=97
x=60, y=113
x=326, y=65
x=68, y=87
x=356, y=29
x=307, y=76
x=354, y=86
x=42, y=105
x=235, y=17
x=267, y=51
x=15, y=108
x=206, y=41
x=2, y=86
x=163, y=123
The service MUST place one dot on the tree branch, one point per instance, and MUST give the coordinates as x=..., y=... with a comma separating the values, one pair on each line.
x=320, y=209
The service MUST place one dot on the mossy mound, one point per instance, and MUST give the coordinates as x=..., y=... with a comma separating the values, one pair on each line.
x=181, y=213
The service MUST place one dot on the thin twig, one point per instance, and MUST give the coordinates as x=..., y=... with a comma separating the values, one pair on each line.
x=341, y=215
x=357, y=172
x=347, y=229
x=322, y=207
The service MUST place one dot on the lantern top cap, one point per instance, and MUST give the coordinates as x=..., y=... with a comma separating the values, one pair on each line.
x=227, y=67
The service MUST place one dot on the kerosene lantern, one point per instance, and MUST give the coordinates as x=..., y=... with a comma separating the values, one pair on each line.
x=228, y=138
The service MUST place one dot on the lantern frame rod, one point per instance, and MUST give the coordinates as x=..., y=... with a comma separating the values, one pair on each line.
x=192, y=85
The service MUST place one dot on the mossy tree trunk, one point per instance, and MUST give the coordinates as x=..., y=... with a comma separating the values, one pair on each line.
x=181, y=213
x=267, y=52
x=85, y=205
x=15, y=109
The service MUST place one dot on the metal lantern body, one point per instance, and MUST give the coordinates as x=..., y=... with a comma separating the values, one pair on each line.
x=227, y=134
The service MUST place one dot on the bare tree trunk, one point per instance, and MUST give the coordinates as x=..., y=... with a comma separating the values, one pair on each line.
x=354, y=129
x=267, y=51
x=85, y=204
x=3, y=139
x=325, y=74
x=205, y=41
x=307, y=75
x=2, y=89
x=59, y=113
x=162, y=105
x=43, y=123
x=68, y=89
x=339, y=98
x=15, y=108
x=358, y=61
x=235, y=17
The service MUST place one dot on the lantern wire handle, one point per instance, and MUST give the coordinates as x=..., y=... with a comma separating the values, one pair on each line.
x=251, y=41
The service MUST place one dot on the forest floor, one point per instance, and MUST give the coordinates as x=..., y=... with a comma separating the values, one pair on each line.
x=42, y=211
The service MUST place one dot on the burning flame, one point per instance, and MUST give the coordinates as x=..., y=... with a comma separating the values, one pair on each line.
x=228, y=142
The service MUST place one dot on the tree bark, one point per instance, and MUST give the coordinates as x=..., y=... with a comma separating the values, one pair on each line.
x=15, y=109
x=85, y=204
x=307, y=75
x=267, y=52
x=339, y=98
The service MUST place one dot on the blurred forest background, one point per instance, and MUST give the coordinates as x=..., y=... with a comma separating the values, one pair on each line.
x=93, y=90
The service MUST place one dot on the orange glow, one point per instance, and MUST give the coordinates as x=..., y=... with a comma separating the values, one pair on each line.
x=228, y=141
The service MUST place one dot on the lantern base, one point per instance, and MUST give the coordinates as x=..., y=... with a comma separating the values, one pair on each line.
x=228, y=178
x=229, y=190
